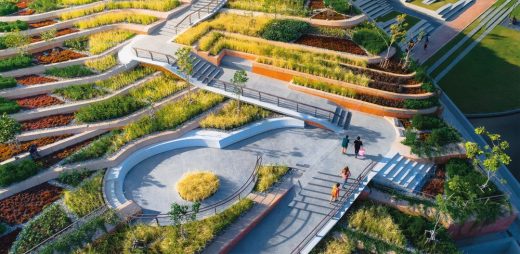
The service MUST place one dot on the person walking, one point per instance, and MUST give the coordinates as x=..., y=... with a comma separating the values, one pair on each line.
x=344, y=144
x=334, y=194
x=426, y=41
x=357, y=146
x=345, y=174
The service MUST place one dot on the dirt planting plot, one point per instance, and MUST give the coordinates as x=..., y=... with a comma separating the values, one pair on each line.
x=47, y=122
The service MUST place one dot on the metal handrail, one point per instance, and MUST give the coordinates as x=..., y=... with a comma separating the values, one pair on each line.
x=198, y=11
x=213, y=207
x=336, y=208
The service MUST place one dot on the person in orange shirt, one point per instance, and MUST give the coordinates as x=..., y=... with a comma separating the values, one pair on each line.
x=334, y=194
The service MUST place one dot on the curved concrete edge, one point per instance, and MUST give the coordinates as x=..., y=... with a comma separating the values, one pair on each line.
x=115, y=176
x=26, y=91
x=105, y=125
x=73, y=106
x=49, y=15
x=42, y=68
x=346, y=23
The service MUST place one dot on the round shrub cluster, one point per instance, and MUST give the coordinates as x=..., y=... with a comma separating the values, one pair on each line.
x=197, y=185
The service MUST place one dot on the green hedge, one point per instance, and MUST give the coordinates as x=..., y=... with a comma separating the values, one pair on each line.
x=80, y=92
x=422, y=122
x=15, y=62
x=74, y=177
x=7, y=8
x=72, y=71
x=8, y=106
x=17, y=171
x=41, y=6
x=87, y=197
x=369, y=39
x=109, y=109
x=13, y=26
x=94, y=150
x=7, y=82
x=49, y=222
x=340, y=6
x=285, y=30
x=79, y=43
x=421, y=104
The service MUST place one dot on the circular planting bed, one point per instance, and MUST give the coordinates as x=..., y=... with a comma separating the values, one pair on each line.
x=197, y=185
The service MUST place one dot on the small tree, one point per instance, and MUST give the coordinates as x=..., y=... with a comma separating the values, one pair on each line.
x=179, y=215
x=185, y=64
x=18, y=40
x=409, y=48
x=8, y=129
x=49, y=34
x=491, y=157
x=239, y=80
x=397, y=33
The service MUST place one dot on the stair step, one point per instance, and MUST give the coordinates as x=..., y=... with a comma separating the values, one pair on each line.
x=346, y=124
x=336, y=115
x=410, y=171
x=402, y=170
x=341, y=117
x=389, y=169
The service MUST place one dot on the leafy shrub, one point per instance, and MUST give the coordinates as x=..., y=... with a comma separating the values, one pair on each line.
x=7, y=82
x=157, y=5
x=206, y=42
x=17, y=171
x=81, y=12
x=229, y=117
x=370, y=40
x=78, y=43
x=72, y=71
x=158, y=88
x=102, y=64
x=268, y=175
x=73, y=177
x=50, y=221
x=100, y=42
x=197, y=185
x=285, y=30
x=13, y=26
x=124, y=79
x=49, y=34
x=41, y=6
x=334, y=245
x=421, y=104
x=87, y=197
x=339, y=6
x=7, y=8
x=114, y=107
x=94, y=150
x=112, y=18
x=15, y=62
x=80, y=92
x=422, y=122
x=14, y=39
x=8, y=106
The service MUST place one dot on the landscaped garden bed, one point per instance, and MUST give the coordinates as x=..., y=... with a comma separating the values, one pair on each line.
x=57, y=55
x=231, y=117
x=9, y=150
x=23, y=206
x=7, y=241
x=330, y=15
x=112, y=18
x=42, y=23
x=38, y=101
x=47, y=122
x=336, y=44
x=58, y=33
x=34, y=79
x=435, y=185
x=87, y=197
x=51, y=159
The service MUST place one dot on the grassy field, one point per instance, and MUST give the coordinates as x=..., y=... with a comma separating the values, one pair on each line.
x=410, y=20
x=488, y=78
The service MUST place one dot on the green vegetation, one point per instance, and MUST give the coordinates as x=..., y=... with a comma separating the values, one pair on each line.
x=15, y=62
x=7, y=82
x=157, y=5
x=13, y=26
x=41, y=6
x=7, y=8
x=73, y=177
x=340, y=6
x=81, y=12
x=370, y=40
x=285, y=30
x=158, y=88
x=100, y=42
x=268, y=175
x=119, y=17
x=229, y=117
x=78, y=43
x=10, y=128
x=72, y=71
x=8, y=106
x=114, y=107
x=168, y=239
x=94, y=150
x=410, y=20
x=17, y=171
x=80, y=92
x=87, y=197
x=434, y=6
x=296, y=7
x=423, y=122
x=102, y=64
x=50, y=221
x=433, y=143
x=3, y=228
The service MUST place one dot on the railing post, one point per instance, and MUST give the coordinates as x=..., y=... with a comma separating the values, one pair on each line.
x=151, y=55
x=136, y=53
x=189, y=18
x=157, y=221
x=316, y=112
x=278, y=101
x=259, y=96
x=297, y=108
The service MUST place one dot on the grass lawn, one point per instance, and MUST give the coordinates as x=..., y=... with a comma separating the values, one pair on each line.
x=410, y=20
x=488, y=78
x=433, y=6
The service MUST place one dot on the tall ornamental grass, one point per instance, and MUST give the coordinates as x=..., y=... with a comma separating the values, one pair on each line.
x=229, y=117
x=82, y=12
x=158, y=88
x=87, y=197
x=156, y=5
x=102, y=64
x=295, y=7
x=100, y=42
x=112, y=18
x=377, y=222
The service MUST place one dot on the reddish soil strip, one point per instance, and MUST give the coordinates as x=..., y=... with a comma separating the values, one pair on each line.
x=9, y=150
x=395, y=88
x=22, y=4
x=54, y=158
x=30, y=80
x=57, y=55
x=38, y=101
x=7, y=240
x=59, y=33
x=330, y=15
x=316, y=4
x=21, y=207
x=436, y=185
x=383, y=77
x=331, y=43
x=47, y=122
x=42, y=23
x=393, y=66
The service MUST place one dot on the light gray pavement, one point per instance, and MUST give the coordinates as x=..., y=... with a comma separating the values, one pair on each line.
x=400, y=7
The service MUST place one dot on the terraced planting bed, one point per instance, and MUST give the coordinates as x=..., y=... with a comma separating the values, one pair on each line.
x=9, y=150
x=42, y=23
x=58, y=33
x=38, y=101
x=47, y=122
x=57, y=55
x=7, y=241
x=51, y=159
x=34, y=79
x=331, y=43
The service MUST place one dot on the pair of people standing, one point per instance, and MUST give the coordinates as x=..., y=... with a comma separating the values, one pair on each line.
x=357, y=145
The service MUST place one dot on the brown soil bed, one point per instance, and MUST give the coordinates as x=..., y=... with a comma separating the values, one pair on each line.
x=30, y=80
x=393, y=67
x=25, y=12
x=54, y=158
x=9, y=150
x=59, y=33
x=382, y=77
x=38, y=101
x=57, y=55
x=435, y=185
x=21, y=207
x=316, y=4
x=42, y=23
x=7, y=241
x=331, y=43
x=330, y=15
x=47, y=122
x=395, y=88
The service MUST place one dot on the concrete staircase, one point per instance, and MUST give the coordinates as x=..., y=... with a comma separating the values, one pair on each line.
x=342, y=117
x=450, y=11
x=404, y=174
x=374, y=8
x=203, y=70
x=413, y=32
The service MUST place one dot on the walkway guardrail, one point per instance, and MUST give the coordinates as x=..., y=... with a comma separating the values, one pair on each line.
x=206, y=8
x=352, y=188
x=211, y=209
